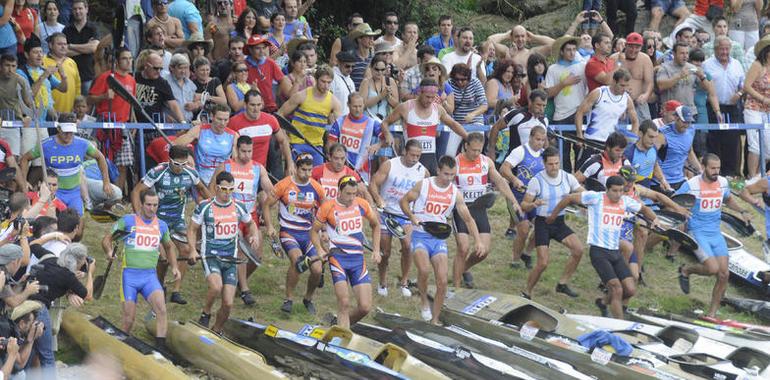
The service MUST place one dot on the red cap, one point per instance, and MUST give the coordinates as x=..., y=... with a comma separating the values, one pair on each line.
x=671, y=105
x=255, y=40
x=634, y=39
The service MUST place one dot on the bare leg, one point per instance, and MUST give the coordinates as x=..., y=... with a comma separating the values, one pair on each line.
x=363, y=293
x=313, y=279
x=129, y=314
x=228, y=293
x=158, y=304
x=681, y=14
x=423, y=271
x=292, y=277
x=723, y=274
x=656, y=15
x=472, y=260
x=522, y=231
x=214, y=281
x=183, y=253
x=629, y=290
x=539, y=268
x=575, y=254
x=615, y=292
x=343, y=304
x=439, y=263
x=382, y=267
x=406, y=255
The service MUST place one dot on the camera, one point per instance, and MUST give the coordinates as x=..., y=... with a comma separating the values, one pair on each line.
x=89, y=260
x=393, y=71
x=4, y=341
x=33, y=272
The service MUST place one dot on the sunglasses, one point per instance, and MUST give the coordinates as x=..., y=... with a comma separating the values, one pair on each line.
x=226, y=189
x=178, y=163
x=241, y=70
x=347, y=179
x=382, y=70
x=157, y=68
x=305, y=157
x=461, y=79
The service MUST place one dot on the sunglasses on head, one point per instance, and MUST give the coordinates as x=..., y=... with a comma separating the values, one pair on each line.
x=179, y=163
x=349, y=179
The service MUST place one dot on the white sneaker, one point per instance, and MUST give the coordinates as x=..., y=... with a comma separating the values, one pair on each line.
x=383, y=291
x=426, y=315
x=405, y=291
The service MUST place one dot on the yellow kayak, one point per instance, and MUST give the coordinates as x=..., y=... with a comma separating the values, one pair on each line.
x=138, y=359
x=213, y=353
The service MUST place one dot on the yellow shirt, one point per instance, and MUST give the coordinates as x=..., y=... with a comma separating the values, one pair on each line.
x=63, y=101
x=311, y=118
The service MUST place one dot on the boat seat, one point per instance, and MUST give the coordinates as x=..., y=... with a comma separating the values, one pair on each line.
x=745, y=357
x=528, y=314
x=392, y=356
x=340, y=336
x=679, y=338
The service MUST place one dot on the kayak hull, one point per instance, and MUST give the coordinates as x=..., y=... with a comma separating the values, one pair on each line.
x=137, y=363
x=214, y=354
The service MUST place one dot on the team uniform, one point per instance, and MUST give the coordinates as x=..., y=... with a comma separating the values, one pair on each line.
x=310, y=119
x=140, y=258
x=675, y=153
x=356, y=135
x=643, y=161
x=329, y=179
x=247, y=179
x=66, y=161
x=345, y=227
x=604, y=226
x=526, y=164
x=219, y=236
x=551, y=190
x=434, y=204
x=400, y=180
x=297, y=205
x=520, y=123
x=707, y=215
x=212, y=150
x=172, y=190
x=424, y=130
x=472, y=180
x=605, y=114
x=600, y=167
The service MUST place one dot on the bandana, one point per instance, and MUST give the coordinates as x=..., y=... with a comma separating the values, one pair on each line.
x=429, y=89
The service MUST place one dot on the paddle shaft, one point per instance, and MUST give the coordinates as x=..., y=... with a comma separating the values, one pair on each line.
x=123, y=93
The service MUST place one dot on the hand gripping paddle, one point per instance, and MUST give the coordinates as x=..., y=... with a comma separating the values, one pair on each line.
x=437, y=229
x=101, y=280
x=673, y=234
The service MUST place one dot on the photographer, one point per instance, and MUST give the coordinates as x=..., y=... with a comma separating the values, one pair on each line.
x=58, y=277
x=14, y=222
x=54, y=242
x=11, y=257
x=29, y=330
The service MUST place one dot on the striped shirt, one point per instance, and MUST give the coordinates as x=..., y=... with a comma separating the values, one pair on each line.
x=605, y=218
x=359, y=69
x=551, y=190
x=468, y=99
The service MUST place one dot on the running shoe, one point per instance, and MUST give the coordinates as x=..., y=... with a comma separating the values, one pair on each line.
x=602, y=308
x=177, y=298
x=525, y=295
x=405, y=292
x=510, y=234
x=286, y=307
x=426, y=315
x=527, y=259
x=565, y=289
x=382, y=290
x=309, y=306
x=468, y=280
x=204, y=319
x=684, y=281
x=247, y=298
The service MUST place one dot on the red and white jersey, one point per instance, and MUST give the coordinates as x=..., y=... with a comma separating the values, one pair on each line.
x=472, y=176
x=422, y=129
x=329, y=179
x=345, y=224
x=435, y=203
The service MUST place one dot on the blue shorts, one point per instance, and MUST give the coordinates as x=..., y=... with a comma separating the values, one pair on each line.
x=296, y=149
x=71, y=198
x=710, y=244
x=668, y=6
x=227, y=270
x=403, y=222
x=627, y=232
x=136, y=280
x=351, y=268
x=291, y=239
x=426, y=242
x=175, y=224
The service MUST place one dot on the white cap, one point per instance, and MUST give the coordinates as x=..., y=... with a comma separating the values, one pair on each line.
x=68, y=127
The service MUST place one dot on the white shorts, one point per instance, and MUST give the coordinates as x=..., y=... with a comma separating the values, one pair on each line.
x=752, y=135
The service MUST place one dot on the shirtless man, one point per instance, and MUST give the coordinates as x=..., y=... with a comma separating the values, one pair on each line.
x=518, y=51
x=640, y=67
x=405, y=55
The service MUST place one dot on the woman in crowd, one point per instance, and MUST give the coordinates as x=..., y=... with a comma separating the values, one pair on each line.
x=433, y=69
x=48, y=23
x=536, y=68
x=619, y=45
x=28, y=21
x=744, y=22
x=500, y=87
x=757, y=107
x=299, y=77
x=470, y=102
x=204, y=82
x=380, y=91
x=246, y=24
x=239, y=86
x=276, y=36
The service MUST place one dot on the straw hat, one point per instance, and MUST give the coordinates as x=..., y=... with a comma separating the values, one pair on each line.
x=364, y=30
x=198, y=39
x=557, y=45
x=294, y=43
x=761, y=44
x=434, y=61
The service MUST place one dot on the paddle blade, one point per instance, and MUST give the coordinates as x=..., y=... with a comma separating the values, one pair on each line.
x=486, y=200
x=738, y=225
x=103, y=216
x=685, y=200
x=99, y=283
x=593, y=184
x=437, y=229
x=669, y=218
x=687, y=242
x=394, y=227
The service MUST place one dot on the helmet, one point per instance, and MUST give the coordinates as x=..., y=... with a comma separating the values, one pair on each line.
x=628, y=173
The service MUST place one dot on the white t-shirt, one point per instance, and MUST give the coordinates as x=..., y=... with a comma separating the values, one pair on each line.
x=568, y=100
x=395, y=45
x=454, y=58
x=517, y=154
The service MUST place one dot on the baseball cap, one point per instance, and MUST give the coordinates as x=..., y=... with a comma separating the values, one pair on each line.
x=346, y=56
x=68, y=127
x=671, y=105
x=634, y=39
x=684, y=113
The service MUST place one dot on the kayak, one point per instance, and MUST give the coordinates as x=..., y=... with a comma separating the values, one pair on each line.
x=390, y=355
x=534, y=364
x=737, y=324
x=303, y=356
x=665, y=341
x=596, y=362
x=724, y=334
x=213, y=353
x=744, y=266
x=456, y=362
x=757, y=308
x=139, y=360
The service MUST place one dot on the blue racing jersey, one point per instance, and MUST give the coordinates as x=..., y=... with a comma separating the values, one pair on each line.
x=709, y=196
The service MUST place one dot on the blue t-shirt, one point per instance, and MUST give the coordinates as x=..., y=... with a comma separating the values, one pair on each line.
x=290, y=30
x=643, y=162
x=7, y=36
x=709, y=197
x=679, y=145
x=437, y=43
x=186, y=12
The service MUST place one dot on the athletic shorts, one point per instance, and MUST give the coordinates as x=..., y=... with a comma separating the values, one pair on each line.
x=529, y=215
x=627, y=231
x=292, y=239
x=609, y=264
x=244, y=227
x=403, y=222
x=430, y=161
x=227, y=270
x=668, y=6
x=136, y=280
x=350, y=268
x=544, y=232
x=428, y=243
x=634, y=259
x=71, y=198
x=176, y=225
x=479, y=215
x=710, y=244
x=297, y=149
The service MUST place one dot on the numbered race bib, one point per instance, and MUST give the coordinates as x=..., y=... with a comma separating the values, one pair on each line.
x=146, y=242
x=710, y=202
x=330, y=191
x=612, y=218
x=352, y=143
x=225, y=223
x=350, y=226
x=436, y=208
x=245, y=187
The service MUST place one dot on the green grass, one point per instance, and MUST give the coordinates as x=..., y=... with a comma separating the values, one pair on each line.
x=267, y=284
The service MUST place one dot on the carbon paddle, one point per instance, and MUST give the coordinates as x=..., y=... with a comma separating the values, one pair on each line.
x=673, y=234
x=101, y=280
x=438, y=230
x=121, y=91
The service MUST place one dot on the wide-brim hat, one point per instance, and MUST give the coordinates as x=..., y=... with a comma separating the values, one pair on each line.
x=25, y=308
x=364, y=30
x=761, y=44
x=294, y=43
x=434, y=61
x=198, y=39
x=383, y=47
x=557, y=45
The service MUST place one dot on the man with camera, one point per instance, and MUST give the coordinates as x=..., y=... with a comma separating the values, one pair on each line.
x=18, y=332
x=59, y=276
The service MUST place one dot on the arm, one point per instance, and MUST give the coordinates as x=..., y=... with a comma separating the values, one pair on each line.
x=663, y=200
x=374, y=223
x=657, y=173
x=188, y=137
x=213, y=186
x=712, y=97
x=493, y=133
x=585, y=107
x=12, y=350
x=668, y=83
x=563, y=203
x=270, y=200
x=377, y=180
x=491, y=89
x=336, y=48
x=758, y=187
x=86, y=48
x=102, y=162
x=283, y=142
x=176, y=38
x=393, y=93
x=232, y=99
x=315, y=238
x=579, y=19
x=631, y=110
x=566, y=82
x=193, y=27
x=135, y=203
x=752, y=75
x=8, y=11
x=498, y=39
x=192, y=239
x=219, y=98
x=410, y=197
x=392, y=118
x=284, y=87
x=694, y=160
x=452, y=124
x=290, y=105
x=528, y=203
x=204, y=191
x=502, y=185
x=465, y=214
